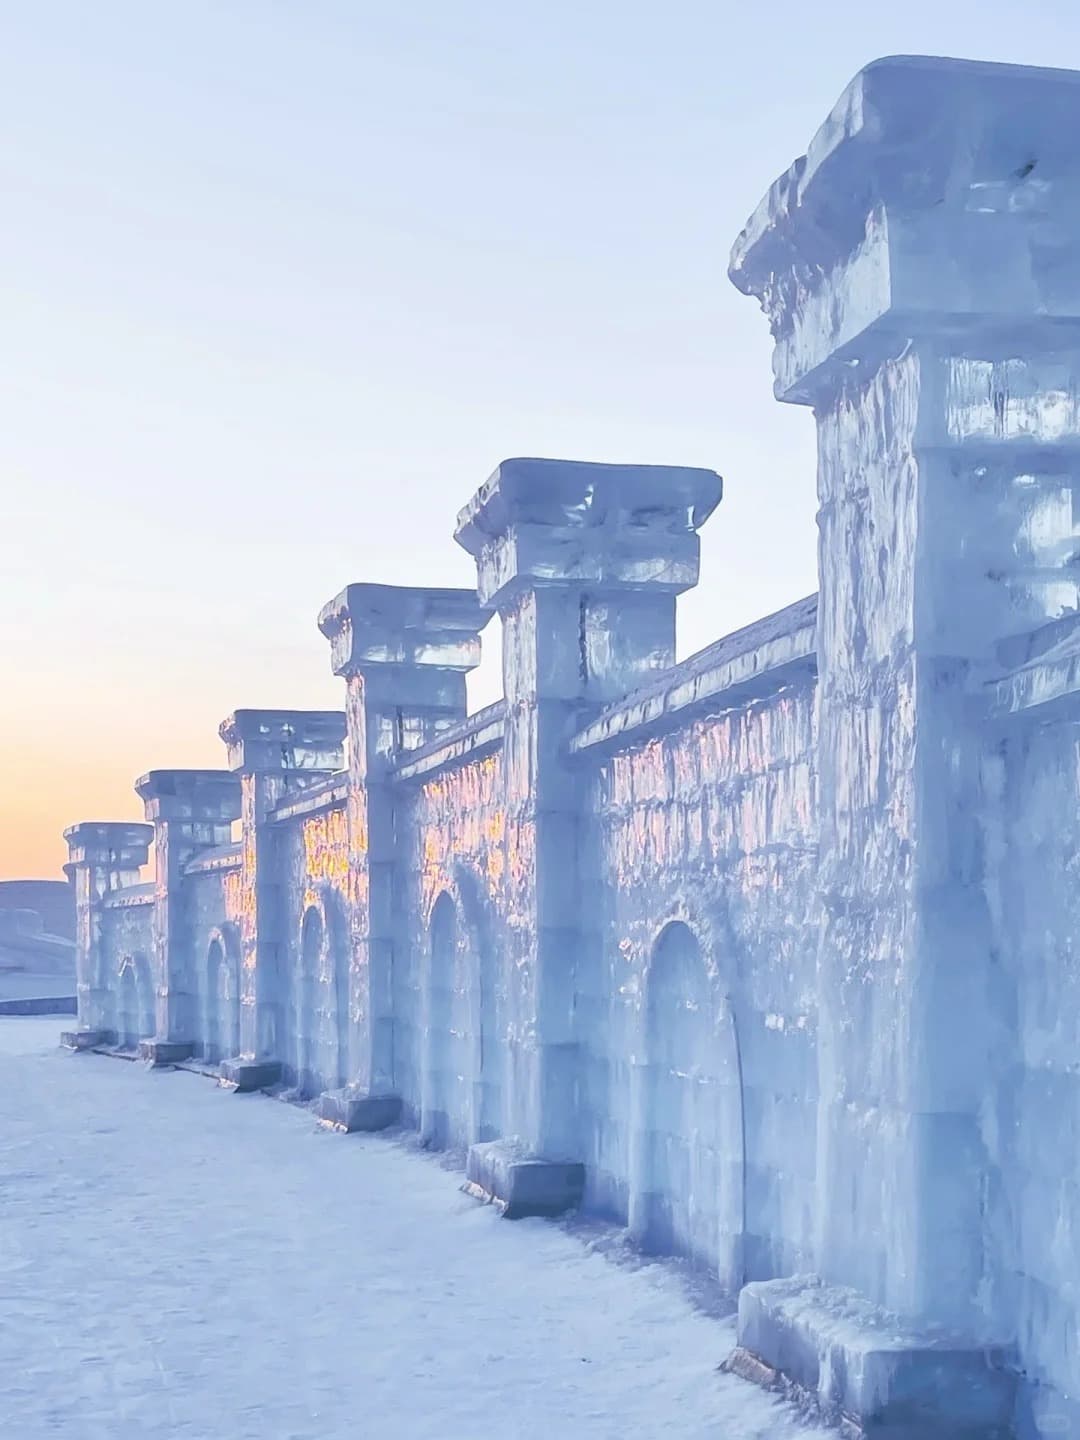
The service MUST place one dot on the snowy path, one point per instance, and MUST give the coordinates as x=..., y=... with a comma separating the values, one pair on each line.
x=177, y=1263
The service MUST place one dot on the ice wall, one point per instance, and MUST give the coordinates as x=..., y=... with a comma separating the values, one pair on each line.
x=215, y=904
x=705, y=819
x=192, y=812
x=105, y=859
x=278, y=755
x=312, y=837
x=130, y=975
x=1032, y=1195
x=456, y=1021
x=699, y=1023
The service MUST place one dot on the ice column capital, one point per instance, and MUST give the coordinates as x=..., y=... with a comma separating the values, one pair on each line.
x=116, y=844
x=205, y=796
x=610, y=528
x=277, y=741
x=374, y=626
x=939, y=198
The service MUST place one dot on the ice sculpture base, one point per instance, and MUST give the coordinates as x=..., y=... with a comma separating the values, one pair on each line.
x=160, y=1053
x=85, y=1039
x=351, y=1109
x=247, y=1075
x=504, y=1174
x=882, y=1379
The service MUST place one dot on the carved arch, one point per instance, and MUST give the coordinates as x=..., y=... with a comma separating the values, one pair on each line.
x=221, y=994
x=688, y=1160
x=320, y=993
x=460, y=1009
x=135, y=1008
x=310, y=968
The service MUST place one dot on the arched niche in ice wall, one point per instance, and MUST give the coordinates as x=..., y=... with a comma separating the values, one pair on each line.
x=221, y=1018
x=688, y=1169
x=461, y=1049
x=135, y=1018
x=316, y=1050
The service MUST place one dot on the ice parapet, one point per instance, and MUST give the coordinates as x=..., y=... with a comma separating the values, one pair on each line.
x=603, y=527
x=939, y=196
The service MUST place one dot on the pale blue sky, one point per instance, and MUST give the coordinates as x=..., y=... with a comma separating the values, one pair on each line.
x=282, y=282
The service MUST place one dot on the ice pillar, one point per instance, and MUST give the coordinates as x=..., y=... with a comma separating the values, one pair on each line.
x=103, y=857
x=404, y=652
x=921, y=275
x=190, y=811
x=583, y=563
x=276, y=753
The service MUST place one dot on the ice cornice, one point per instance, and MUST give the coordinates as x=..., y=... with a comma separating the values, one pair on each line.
x=910, y=133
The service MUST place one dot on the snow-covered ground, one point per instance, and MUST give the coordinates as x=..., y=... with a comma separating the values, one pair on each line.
x=178, y=1263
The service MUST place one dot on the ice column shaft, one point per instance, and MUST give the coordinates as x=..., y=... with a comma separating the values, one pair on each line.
x=583, y=563
x=920, y=272
x=404, y=652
